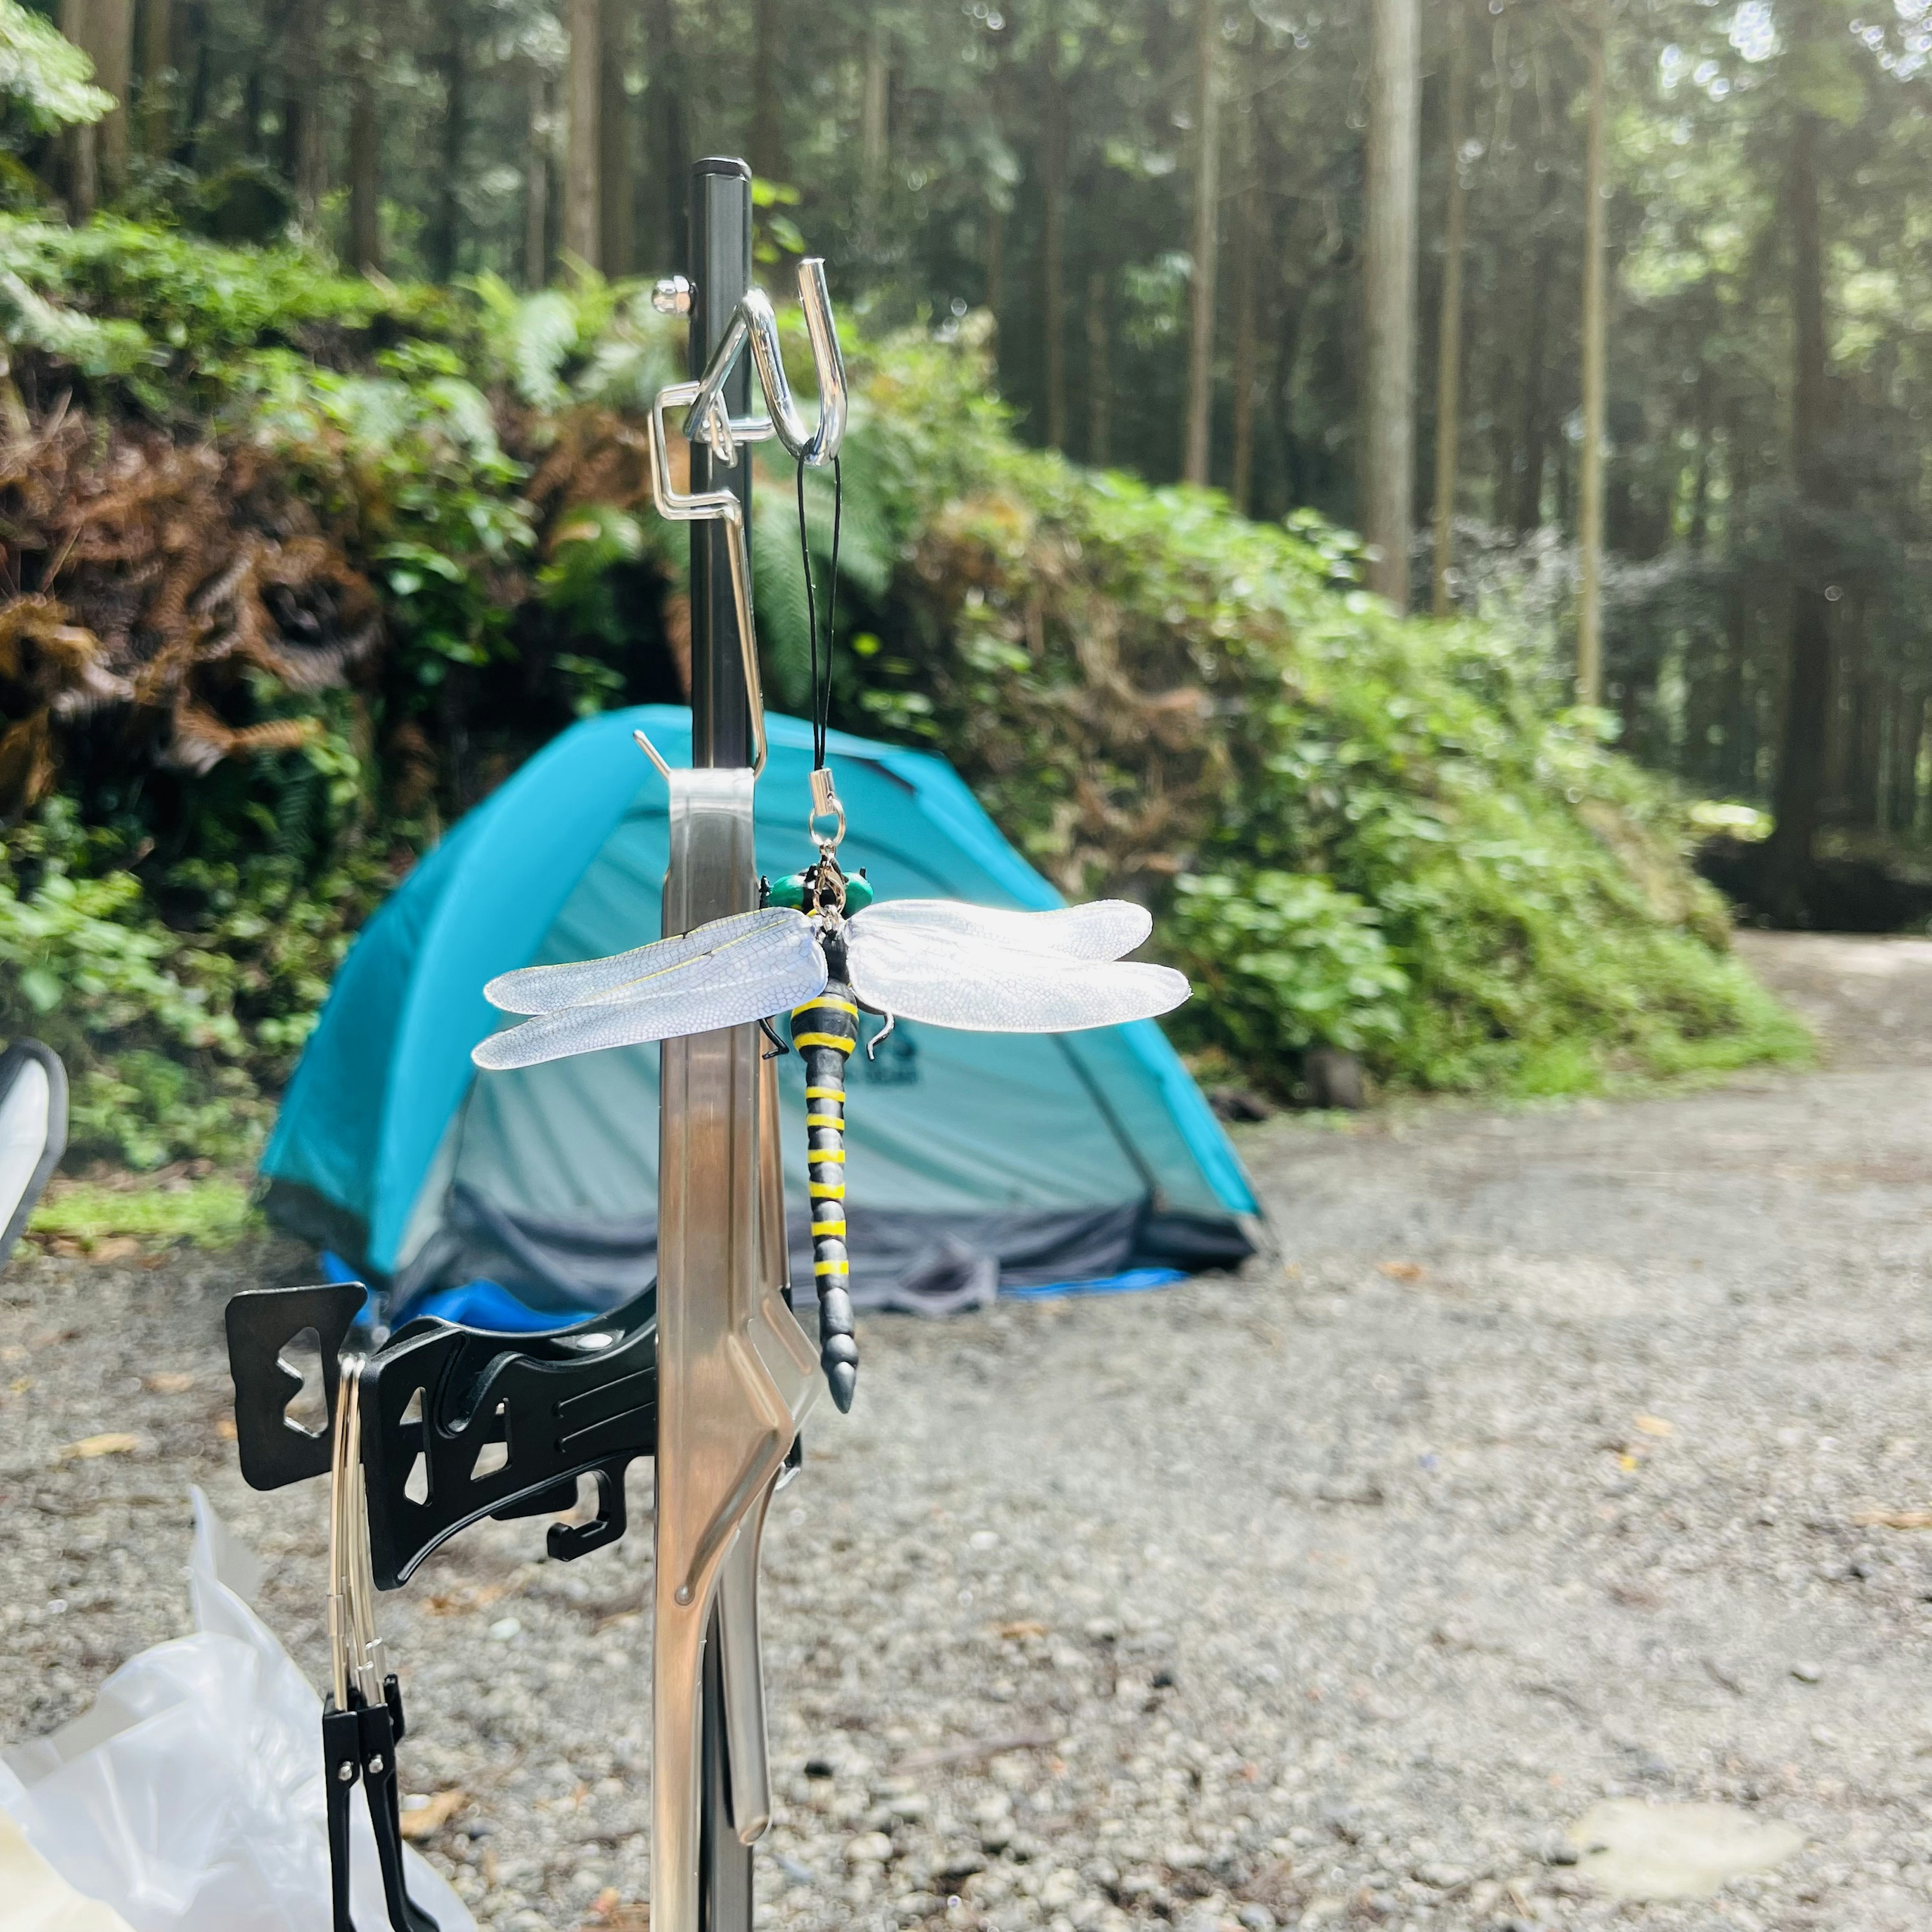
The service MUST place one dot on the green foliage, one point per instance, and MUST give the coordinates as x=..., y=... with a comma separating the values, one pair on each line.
x=1281, y=962
x=1358, y=831
x=1355, y=830
x=576, y=582
x=44, y=78
x=173, y=1036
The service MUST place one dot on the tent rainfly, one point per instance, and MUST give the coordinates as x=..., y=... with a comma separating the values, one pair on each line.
x=977, y=1161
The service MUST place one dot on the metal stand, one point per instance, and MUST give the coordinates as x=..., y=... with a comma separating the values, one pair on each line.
x=720, y=260
x=736, y=1371
x=709, y=1373
x=720, y=273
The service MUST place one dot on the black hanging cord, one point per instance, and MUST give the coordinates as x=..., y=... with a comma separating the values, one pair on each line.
x=821, y=680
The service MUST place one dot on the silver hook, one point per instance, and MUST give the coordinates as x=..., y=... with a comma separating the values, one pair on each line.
x=705, y=506
x=753, y=322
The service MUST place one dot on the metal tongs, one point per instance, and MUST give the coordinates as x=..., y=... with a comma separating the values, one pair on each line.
x=362, y=1719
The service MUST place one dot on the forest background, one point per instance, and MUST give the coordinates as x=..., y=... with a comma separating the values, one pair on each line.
x=1604, y=320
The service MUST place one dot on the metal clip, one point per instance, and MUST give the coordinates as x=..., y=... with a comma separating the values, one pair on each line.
x=362, y=1721
x=825, y=805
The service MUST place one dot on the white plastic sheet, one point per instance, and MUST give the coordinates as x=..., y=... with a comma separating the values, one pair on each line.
x=189, y=1797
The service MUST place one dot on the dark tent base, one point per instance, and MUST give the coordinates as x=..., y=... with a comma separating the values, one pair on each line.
x=927, y=1263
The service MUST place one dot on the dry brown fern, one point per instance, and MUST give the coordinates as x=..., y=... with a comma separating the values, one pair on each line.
x=161, y=578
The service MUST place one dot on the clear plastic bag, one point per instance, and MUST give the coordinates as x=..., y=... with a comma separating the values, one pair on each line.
x=189, y=1797
x=38, y=1899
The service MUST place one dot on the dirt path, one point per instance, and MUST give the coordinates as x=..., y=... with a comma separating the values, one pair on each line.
x=1530, y=1474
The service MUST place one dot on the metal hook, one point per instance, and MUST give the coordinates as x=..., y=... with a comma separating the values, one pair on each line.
x=703, y=506
x=754, y=322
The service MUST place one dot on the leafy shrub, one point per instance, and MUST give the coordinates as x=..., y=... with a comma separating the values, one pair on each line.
x=174, y=1039
x=1157, y=697
x=422, y=543
x=1281, y=962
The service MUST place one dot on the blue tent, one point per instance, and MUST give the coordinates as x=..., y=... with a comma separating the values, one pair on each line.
x=975, y=1160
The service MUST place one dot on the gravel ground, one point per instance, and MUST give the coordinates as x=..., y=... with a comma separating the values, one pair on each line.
x=1531, y=1472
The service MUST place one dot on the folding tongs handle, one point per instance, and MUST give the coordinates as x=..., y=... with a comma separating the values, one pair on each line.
x=362, y=1719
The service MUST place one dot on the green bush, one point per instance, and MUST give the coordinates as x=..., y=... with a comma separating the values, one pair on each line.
x=1354, y=830
x=1281, y=961
x=175, y=1040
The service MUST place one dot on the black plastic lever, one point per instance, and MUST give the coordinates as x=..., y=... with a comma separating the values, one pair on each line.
x=457, y=1423
x=263, y=1324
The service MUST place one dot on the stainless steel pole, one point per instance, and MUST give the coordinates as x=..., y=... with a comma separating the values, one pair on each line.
x=721, y=268
x=720, y=737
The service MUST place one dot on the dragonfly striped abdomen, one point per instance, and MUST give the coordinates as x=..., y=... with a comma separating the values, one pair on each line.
x=824, y=1030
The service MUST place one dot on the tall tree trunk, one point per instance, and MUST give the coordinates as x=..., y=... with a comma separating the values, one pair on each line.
x=536, y=181
x=365, y=146
x=445, y=233
x=1797, y=798
x=1738, y=765
x=1247, y=320
x=1292, y=299
x=766, y=148
x=97, y=154
x=114, y=70
x=1099, y=370
x=617, y=197
x=1389, y=292
x=874, y=134
x=581, y=222
x=1053, y=192
x=1704, y=429
x=194, y=116
x=664, y=143
x=1902, y=808
x=308, y=159
x=1529, y=513
x=1908, y=715
x=1198, y=450
x=80, y=160
x=157, y=77
x=1596, y=298
x=1449, y=329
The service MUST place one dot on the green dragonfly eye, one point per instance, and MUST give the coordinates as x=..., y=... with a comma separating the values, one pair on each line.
x=791, y=891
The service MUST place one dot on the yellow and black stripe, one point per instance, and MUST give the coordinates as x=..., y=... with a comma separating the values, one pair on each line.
x=825, y=1030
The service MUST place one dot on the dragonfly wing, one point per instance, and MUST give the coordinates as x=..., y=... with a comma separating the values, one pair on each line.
x=548, y=989
x=990, y=989
x=1105, y=929
x=757, y=976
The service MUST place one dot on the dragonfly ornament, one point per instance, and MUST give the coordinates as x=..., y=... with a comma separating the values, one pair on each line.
x=823, y=958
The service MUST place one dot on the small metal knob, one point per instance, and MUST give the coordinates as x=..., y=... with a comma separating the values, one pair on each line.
x=673, y=295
